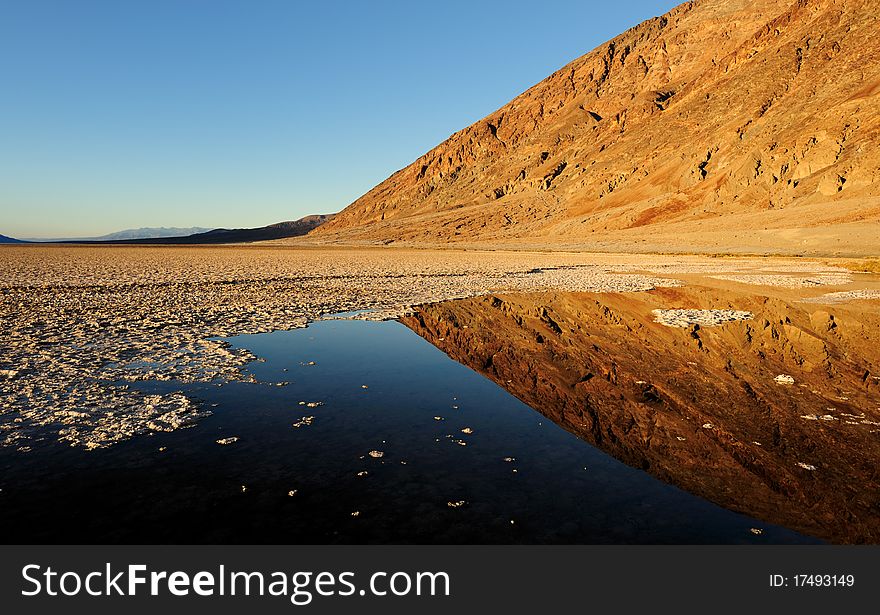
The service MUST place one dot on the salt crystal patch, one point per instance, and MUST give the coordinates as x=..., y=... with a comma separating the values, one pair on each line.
x=705, y=318
x=847, y=295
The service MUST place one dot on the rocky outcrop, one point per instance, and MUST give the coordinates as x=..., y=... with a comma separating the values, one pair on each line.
x=721, y=114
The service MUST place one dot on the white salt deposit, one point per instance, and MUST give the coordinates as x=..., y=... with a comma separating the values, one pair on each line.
x=789, y=281
x=704, y=318
x=847, y=295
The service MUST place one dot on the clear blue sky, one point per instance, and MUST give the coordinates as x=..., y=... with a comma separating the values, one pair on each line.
x=121, y=114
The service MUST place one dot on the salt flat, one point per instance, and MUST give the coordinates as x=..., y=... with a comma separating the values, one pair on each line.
x=79, y=324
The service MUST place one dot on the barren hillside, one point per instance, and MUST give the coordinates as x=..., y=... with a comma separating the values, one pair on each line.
x=724, y=124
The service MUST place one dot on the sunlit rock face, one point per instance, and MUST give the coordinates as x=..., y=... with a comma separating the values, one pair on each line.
x=712, y=409
x=713, y=127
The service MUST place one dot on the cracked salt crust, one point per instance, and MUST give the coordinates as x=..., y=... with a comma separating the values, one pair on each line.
x=705, y=318
x=788, y=281
x=80, y=324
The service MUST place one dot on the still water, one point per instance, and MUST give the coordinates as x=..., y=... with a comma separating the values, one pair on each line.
x=462, y=461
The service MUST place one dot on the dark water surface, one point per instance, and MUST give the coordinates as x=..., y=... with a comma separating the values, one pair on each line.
x=557, y=489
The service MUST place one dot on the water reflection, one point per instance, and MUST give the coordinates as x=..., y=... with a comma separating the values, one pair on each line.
x=700, y=408
x=404, y=445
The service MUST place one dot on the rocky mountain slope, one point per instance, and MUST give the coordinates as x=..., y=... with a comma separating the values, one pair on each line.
x=724, y=124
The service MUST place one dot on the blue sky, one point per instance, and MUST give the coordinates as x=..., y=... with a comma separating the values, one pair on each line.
x=209, y=113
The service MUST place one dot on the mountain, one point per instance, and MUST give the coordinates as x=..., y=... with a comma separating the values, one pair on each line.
x=171, y=236
x=281, y=230
x=746, y=124
x=138, y=233
x=152, y=233
x=5, y=239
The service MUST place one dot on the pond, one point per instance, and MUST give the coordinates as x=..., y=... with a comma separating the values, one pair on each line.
x=355, y=432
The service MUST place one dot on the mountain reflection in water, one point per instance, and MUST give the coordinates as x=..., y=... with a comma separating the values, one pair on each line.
x=354, y=432
x=697, y=407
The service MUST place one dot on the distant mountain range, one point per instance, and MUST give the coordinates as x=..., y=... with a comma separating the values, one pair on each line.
x=281, y=230
x=134, y=233
x=171, y=236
